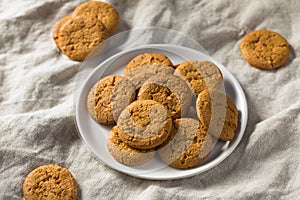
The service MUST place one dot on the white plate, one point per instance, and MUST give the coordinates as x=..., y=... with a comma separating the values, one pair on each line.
x=94, y=135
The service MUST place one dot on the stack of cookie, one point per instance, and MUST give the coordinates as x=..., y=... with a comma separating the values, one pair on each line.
x=85, y=31
x=159, y=107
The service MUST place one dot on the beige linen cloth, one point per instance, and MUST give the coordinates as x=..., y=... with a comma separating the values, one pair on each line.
x=36, y=100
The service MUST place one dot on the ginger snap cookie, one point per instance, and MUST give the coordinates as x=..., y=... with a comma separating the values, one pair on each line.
x=124, y=153
x=169, y=90
x=189, y=146
x=145, y=124
x=169, y=138
x=148, y=59
x=142, y=73
x=200, y=75
x=218, y=113
x=105, y=13
x=50, y=182
x=107, y=98
x=81, y=35
x=265, y=49
x=57, y=27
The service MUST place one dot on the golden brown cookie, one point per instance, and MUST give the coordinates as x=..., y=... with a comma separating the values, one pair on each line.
x=218, y=113
x=169, y=138
x=265, y=49
x=142, y=73
x=148, y=59
x=145, y=124
x=124, y=153
x=108, y=97
x=200, y=75
x=106, y=13
x=169, y=90
x=80, y=36
x=57, y=27
x=50, y=182
x=188, y=145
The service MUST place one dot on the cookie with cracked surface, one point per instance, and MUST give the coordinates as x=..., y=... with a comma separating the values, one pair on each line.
x=218, y=113
x=265, y=49
x=145, y=124
x=189, y=145
x=200, y=75
x=105, y=13
x=124, y=153
x=107, y=98
x=148, y=59
x=169, y=90
x=57, y=27
x=50, y=182
x=139, y=74
x=80, y=36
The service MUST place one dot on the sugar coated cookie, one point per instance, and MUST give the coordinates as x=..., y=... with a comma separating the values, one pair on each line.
x=50, y=182
x=218, y=113
x=265, y=49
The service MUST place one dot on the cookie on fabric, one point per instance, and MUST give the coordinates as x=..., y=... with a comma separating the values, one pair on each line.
x=145, y=124
x=200, y=75
x=57, y=27
x=105, y=13
x=265, y=49
x=81, y=35
x=187, y=146
x=124, y=153
x=108, y=97
x=169, y=90
x=218, y=113
x=50, y=182
x=148, y=59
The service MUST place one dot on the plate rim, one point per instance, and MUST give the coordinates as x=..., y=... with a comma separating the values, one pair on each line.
x=194, y=172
